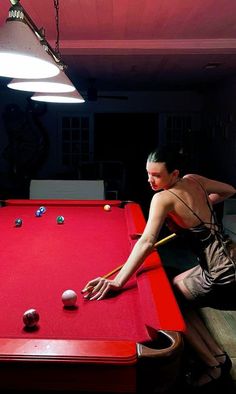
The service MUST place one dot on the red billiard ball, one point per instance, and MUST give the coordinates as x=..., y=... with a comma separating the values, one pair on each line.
x=69, y=297
x=30, y=318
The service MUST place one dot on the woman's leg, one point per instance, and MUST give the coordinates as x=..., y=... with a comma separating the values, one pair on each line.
x=200, y=338
x=197, y=334
x=191, y=314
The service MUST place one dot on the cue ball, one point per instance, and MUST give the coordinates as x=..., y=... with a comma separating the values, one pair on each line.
x=107, y=207
x=30, y=317
x=69, y=297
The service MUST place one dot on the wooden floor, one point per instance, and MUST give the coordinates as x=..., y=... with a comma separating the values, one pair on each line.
x=222, y=325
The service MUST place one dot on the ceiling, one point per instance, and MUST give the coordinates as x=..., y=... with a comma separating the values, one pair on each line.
x=130, y=45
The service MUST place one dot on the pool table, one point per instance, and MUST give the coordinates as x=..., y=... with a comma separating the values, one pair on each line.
x=128, y=342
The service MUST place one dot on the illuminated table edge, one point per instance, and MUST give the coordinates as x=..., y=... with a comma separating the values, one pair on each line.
x=85, y=351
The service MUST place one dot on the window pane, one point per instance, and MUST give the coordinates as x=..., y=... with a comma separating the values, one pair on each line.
x=75, y=148
x=66, y=160
x=85, y=134
x=66, y=134
x=66, y=147
x=65, y=122
x=85, y=122
x=76, y=134
x=75, y=140
x=75, y=122
x=85, y=148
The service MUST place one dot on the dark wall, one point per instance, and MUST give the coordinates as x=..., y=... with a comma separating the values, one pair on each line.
x=126, y=131
x=129, y=138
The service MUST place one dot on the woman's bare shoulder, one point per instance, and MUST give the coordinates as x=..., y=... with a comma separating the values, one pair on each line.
x=194, y=176
x=201, y=180
x=163, y=200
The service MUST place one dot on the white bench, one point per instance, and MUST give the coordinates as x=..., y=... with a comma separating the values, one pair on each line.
x=66, y=189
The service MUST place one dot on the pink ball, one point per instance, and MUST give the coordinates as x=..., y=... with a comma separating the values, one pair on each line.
x=30, y=317
x=69, y=297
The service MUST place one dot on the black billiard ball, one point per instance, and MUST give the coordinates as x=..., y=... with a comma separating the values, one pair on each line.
x=18, y=222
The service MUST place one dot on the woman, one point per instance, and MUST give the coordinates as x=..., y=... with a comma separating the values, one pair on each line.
x=186, y=203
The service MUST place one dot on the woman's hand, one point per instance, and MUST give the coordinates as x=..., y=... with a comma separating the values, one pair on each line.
x=98, y=288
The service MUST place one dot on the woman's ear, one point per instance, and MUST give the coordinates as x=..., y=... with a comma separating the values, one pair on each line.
x=176, y=173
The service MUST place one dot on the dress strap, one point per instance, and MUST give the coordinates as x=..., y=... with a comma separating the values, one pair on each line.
x=194, y=213
x=213, y=215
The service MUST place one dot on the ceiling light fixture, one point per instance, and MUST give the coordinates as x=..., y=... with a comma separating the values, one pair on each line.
x=26, y=56
x=67, y=98
x=24, y=51
x=60, y=83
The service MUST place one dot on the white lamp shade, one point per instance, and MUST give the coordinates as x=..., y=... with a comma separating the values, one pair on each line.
x=22, y=55
x=70, y=97
x=60, y=83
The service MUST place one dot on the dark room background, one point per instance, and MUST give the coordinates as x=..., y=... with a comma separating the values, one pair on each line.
x=110, y=139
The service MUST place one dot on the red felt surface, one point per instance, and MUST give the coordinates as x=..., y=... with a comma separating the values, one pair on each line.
x=41, y=259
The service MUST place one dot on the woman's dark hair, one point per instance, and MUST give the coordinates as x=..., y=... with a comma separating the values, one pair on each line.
x=171, y=156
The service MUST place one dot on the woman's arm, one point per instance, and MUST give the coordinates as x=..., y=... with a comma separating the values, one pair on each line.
x=98, y=287
x=217, y=191
x=144, y=246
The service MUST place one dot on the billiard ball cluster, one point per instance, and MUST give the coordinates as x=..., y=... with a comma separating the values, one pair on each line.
x=60, y=219
x=40, y=211
x=31, y=316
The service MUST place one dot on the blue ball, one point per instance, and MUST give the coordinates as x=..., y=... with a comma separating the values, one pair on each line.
x=38, y=213
x=42, y=209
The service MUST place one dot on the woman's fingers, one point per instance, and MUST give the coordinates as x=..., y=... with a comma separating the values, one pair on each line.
x=100, y=290
x=97, y=289
x=90, y=285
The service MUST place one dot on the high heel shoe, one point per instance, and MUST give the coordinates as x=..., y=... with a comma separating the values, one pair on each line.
x=225, y=365
x=206, y=379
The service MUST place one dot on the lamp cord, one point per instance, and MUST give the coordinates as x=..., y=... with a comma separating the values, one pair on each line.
x=57, y=48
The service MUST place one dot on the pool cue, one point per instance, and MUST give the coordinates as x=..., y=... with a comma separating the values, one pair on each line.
x=158, y=243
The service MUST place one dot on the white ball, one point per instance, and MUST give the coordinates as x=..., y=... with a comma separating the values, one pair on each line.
x=107, y=207
x=69, y=297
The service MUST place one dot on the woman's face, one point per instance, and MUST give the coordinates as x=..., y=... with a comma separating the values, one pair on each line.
x=158, y=176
